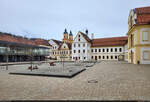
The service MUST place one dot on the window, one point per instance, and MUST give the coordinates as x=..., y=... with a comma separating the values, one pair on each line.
x=146, y=55
x=92, y=57
x=107, y=57
x=115, y=57
x=79, y=57
x=99, y=57
x=79, y=39
x=103, y=57
x=95, y=57
x=91, y=50
x=78, y=51
x=99, y=50
x=79, y=36
x=103, y=50
x=95, y=50
x=115, y=49
x=64, y=47
x=120, y=49
x=132, y=40
x=145, y=36
x=74, y=51
x=107, y=50
x=111, y=57
x=83, y=51
x=78, y=45
x=84, y=57
x=83, y=45
x=74, y=45
x=111, y=49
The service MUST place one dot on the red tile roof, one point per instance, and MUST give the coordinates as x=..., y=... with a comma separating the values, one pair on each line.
x=86, y=37
x=113, y=41
x=143, y=10
x=12, y=38
x=143, y=15
x=42, y=42
x=57, y=42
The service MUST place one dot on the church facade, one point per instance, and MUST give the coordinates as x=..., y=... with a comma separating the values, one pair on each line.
x=62, y=50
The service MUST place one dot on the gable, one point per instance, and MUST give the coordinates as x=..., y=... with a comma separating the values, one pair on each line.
x=64, y=46
x=81, y=37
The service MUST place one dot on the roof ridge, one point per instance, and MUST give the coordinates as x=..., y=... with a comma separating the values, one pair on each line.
x=111, y=37
x=142, y=7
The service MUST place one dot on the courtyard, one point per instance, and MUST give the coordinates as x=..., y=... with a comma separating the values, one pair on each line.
x=107, y=80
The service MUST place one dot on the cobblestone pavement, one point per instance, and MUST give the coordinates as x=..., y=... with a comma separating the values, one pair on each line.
x=115, y=81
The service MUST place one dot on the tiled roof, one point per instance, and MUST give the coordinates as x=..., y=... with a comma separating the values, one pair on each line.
x=143, y=15
x=114, y=41
x=42, y=42
x=143, y=10
x=16, y=39
x=57, y=42
x=86, y=37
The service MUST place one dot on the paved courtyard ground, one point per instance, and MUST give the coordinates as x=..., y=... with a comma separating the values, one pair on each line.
x=115, y=81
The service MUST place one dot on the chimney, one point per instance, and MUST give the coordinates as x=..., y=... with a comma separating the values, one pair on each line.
x=86, y=32
x=92, y=36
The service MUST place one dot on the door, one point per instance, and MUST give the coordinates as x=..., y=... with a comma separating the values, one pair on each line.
x=95, y=57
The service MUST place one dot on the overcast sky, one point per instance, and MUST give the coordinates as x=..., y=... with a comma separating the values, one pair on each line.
x=48, y=18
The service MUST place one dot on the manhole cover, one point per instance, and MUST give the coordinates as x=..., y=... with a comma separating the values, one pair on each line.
x=92, y=81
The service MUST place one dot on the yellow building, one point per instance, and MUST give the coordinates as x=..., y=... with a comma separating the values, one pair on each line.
x=62, y=50
x=67, y=38
x=139, y=36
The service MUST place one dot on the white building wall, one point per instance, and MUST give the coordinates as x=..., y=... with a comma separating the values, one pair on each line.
x=54, y=49
x=76, y=48
x=110, y=53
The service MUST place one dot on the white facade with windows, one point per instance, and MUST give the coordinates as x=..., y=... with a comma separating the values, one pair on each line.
x=80, y=48
x=107, y=53
x=54, y=50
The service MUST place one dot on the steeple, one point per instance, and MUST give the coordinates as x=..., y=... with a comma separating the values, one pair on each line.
x=70, y=33
x=65, y=32
x=70, y=37
x=65, y=38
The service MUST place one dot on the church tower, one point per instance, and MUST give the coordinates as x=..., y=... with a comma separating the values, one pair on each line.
x=65, y=37
x=70, y=37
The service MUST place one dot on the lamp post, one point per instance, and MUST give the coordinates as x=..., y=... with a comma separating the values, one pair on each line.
x=31, y=55
x=7, y=58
